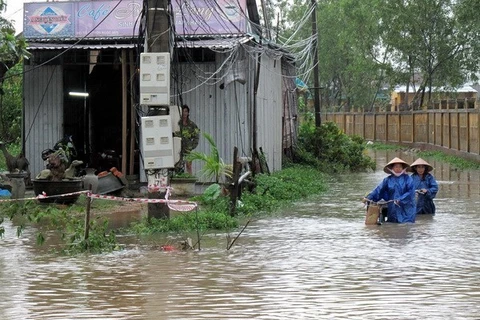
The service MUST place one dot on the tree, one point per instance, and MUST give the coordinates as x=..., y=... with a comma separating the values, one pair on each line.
x=367, y=45
x=351, y=61
x=438, y=39
x=12, y=49
x=12, y=52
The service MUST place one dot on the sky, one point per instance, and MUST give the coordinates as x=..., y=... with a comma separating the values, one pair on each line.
x=15, y=12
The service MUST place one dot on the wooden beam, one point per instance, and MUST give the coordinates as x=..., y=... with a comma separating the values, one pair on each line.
x=124, y=111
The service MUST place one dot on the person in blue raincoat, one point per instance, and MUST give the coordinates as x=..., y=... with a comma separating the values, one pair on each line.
x=426, y=187
x=397, y=187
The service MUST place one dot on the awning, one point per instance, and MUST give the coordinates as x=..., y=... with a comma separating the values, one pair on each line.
x=64, y=46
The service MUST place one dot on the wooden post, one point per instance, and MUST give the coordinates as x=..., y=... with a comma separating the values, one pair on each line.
x=468, y=130
x=124, y=111
x=399, y=132
x=413, y=127
x=387, y=115
x=131, y=168
x=364, y=117
x=87, y=216
x=441, y=128
x=478, y=131
x=233, y=188
x=458, y=129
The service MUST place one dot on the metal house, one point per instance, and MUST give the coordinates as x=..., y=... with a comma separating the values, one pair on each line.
x=239, y=86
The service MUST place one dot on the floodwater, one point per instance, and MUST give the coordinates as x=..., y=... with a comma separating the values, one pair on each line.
x=316, y=260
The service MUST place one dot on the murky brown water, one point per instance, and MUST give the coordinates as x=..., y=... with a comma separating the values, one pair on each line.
x=315, y=261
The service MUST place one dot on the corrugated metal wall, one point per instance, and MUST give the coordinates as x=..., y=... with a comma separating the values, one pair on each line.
x=226, y=113
x=270, y=111
x=43, y=92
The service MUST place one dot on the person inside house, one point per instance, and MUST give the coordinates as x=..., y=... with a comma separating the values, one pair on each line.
x=426, y=186
x=190, y=135
x=398, y=189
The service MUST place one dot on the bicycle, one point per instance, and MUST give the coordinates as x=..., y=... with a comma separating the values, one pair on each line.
x=376, y=212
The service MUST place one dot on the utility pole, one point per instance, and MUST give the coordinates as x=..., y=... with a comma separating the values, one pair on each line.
x=318, y=120
x=157, y=41
x=157, y=26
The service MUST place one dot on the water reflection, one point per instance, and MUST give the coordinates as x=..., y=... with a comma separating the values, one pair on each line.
x=316, y=260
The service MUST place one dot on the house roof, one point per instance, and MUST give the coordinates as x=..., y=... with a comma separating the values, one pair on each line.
x=465, y=88
x=217, y=44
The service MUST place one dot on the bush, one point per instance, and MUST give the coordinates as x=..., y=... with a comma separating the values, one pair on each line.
x=328, y=147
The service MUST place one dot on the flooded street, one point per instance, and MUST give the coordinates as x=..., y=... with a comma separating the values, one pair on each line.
x=316, y=260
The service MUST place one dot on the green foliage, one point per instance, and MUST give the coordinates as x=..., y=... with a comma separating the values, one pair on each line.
x=12, y=49
x=381, y=146
x=329, y=149
x=369, y=45
x=183, y=175
x=69, y=222
x=12, y=52
x=187, y=222
x=211, y=194
x=271, y=192
x=11, y=106
x=457, y=162
x=100, y=239
x=213, y=165
x=436, y=38
x=14, y=148
x=282, y=187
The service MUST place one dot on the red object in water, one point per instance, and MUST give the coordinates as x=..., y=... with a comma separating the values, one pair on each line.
x=168, y=248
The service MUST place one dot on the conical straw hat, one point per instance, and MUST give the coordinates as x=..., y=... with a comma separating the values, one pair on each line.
x=420, y=161
x=389, y=165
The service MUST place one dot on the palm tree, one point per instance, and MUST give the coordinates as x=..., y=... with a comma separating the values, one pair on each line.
x=213, y=165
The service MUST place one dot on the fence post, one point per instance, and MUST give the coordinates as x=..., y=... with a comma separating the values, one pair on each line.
x=399, y=129
x=414, y=138
x=458, y=130
x=478, y=131
x=468, y=129
x=386, y=126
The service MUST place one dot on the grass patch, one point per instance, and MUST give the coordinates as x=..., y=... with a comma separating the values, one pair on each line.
x=272, y=192
x=455, y=161
x=381, y=146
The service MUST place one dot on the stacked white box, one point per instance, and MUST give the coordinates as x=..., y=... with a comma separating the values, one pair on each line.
x=155, y=78
x=157, y=142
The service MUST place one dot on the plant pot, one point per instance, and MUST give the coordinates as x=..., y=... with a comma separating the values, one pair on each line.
x=17, y=184
x=183, y=186
x=52, y=188
x=109, y=183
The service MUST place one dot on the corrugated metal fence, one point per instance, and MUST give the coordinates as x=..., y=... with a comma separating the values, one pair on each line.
x=456, y=130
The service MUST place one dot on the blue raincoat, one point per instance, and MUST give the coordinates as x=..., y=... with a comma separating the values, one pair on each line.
x=425, y=203
x=397, y=188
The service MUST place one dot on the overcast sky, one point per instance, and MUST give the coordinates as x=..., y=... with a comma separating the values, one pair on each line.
x=15, y=12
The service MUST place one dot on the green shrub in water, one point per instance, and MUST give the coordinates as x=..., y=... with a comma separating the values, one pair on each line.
x=329, y=149
x=68, y=221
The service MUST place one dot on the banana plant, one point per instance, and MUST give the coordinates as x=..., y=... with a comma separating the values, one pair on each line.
x=213, y=165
